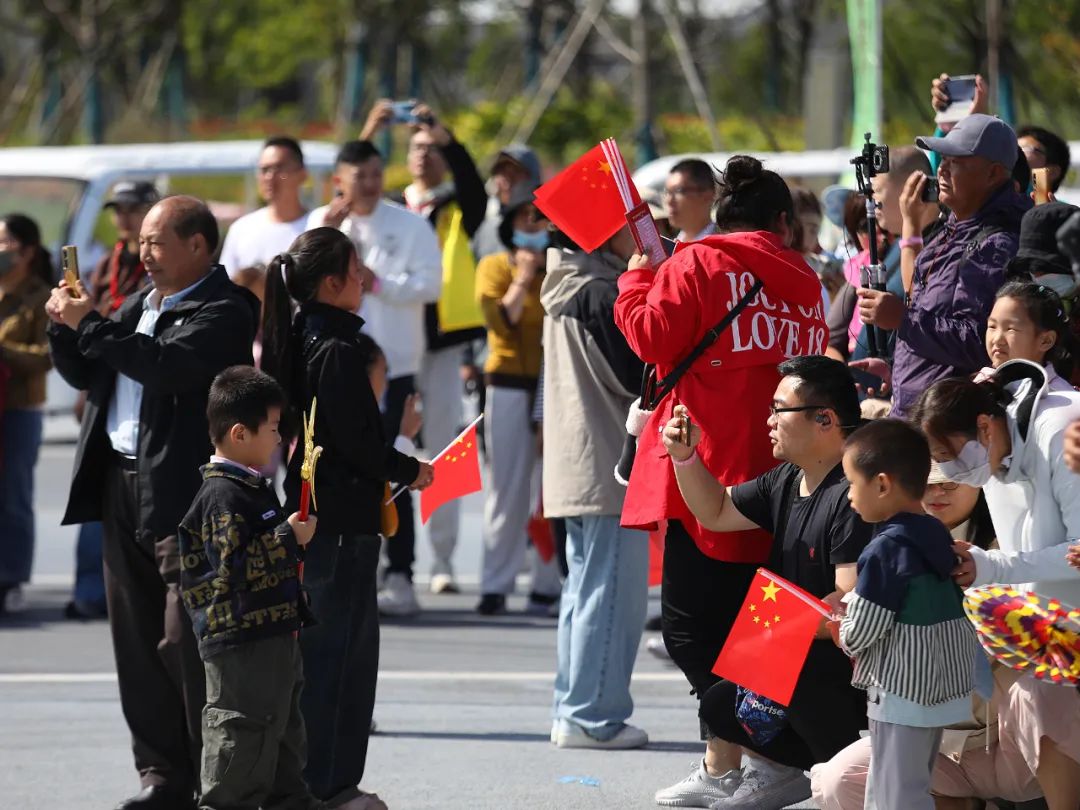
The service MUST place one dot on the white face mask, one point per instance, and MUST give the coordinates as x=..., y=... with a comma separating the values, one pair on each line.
x=971, y=467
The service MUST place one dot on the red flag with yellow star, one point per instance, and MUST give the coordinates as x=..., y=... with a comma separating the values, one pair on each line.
x=457, y=474
x=583, y=200
x=767, y=646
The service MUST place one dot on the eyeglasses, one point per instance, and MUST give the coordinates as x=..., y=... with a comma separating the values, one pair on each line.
x=947, y=486
x=682, y=191
x=276, y=168
x=1032, y=150
x=775, y=410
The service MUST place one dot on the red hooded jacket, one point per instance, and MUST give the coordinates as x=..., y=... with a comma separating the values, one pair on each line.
x=728, y=390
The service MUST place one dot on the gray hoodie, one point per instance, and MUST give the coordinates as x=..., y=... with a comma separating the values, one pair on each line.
x=590, y=378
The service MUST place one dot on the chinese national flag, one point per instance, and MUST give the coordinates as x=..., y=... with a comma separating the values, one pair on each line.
x=767, y=646
x=583, y=200
x=457, y=474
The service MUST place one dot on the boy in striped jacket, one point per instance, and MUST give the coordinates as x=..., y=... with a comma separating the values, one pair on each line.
x=904, y=626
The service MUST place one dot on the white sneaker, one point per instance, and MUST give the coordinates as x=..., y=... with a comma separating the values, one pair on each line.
x=14, y=600
x=444, y=583
x=571, y=735
x=767, y=787
x=397, y=597
x=699, y=789
x=656, y=646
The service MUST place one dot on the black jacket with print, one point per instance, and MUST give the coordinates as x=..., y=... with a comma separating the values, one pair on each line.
x=239, y=560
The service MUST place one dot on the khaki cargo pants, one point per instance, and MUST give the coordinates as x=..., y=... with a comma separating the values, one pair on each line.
x=254, y=744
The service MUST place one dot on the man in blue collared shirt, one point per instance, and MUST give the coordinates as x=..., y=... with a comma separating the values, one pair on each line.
x=148, y=369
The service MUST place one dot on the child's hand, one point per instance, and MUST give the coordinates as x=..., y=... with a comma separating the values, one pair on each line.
x=411, y=417
x=833, y=626
x=303, y=529
x=964, y=573
x=1073, y=557
x=424, y=477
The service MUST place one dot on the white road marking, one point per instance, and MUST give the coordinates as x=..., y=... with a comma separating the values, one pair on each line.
x=405, y=675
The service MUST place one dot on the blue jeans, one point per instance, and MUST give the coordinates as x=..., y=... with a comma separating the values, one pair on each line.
x=89, y=577
x=21, y=431
x=601, y=617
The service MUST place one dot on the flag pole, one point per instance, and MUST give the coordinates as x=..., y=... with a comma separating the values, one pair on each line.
x=805, y=598
x=472, y=424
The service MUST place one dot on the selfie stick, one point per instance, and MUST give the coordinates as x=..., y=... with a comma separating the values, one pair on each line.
x=875, y=272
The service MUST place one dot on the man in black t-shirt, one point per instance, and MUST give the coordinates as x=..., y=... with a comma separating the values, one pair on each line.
x=817, y=541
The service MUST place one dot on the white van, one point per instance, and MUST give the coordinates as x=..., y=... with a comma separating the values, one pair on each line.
x=63, y=188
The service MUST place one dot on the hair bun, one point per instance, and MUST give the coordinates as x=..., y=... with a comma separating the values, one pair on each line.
x=740, y=172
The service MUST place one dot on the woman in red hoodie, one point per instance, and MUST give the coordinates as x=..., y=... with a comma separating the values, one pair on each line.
x=664, y=313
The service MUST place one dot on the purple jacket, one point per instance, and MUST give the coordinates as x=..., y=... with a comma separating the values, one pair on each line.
x=956, y=279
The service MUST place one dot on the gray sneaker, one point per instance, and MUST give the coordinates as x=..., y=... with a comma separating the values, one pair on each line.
x=571, y=735
x=699, y=789
x=767, y=788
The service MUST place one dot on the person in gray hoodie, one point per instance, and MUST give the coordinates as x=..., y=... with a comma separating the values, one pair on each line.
x=590, y=378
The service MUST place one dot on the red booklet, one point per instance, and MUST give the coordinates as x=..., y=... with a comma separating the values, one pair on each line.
x=647, y=237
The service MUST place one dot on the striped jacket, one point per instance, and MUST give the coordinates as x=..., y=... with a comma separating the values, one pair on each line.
x=905, y=625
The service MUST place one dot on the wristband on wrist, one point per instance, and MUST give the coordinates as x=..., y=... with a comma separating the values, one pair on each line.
x=911, y=242
x=686, y=462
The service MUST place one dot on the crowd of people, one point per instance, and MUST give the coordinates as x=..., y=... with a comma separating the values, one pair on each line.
x=882, y=477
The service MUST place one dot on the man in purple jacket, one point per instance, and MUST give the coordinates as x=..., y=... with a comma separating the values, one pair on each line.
x=940, y=327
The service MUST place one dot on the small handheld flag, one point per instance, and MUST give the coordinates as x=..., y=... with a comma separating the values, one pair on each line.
x=768, y=643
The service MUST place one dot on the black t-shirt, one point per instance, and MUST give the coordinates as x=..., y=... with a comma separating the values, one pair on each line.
x=821, y=532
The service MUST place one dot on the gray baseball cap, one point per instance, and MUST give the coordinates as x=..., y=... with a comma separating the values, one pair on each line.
x=977, y=135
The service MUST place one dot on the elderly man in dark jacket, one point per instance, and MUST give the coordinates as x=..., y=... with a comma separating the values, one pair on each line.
x=940, y=328
x=144, y=435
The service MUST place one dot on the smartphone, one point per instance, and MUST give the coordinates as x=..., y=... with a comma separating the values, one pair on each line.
x=403, y=112
x=684, y=430
x=1040, y=182
x=961, y=92
x=69, y=260
x=931, y=191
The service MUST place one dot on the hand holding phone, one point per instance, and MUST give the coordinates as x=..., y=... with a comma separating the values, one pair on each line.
x=70, y=261
x=955, y=98
x=685, y=429
x=404, y=112
x=931, y=191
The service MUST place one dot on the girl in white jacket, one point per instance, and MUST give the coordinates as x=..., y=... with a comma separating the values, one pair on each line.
x=1005, y=434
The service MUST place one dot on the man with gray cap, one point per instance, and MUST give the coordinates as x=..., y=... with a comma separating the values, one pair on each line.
x=941, y=325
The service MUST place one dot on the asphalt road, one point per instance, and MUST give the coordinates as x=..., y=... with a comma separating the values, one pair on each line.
x=463, y=706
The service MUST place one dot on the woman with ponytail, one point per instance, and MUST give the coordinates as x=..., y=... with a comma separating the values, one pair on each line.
x=319, y=354
x=26, y=277
x=1005, y=434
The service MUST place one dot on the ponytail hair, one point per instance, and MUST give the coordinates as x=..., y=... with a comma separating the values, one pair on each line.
x=26, y=232
x=296, y=275
x=1045, y=309
x=752, y=197
x=952, y=407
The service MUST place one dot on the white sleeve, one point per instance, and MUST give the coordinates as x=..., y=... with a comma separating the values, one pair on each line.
x=1044, y=564
x=229, y=260
x=403, y=444
x=419, y=278
x=316, y=217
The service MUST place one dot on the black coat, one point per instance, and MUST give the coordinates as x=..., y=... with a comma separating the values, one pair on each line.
x=211, y=329
x=357, y=459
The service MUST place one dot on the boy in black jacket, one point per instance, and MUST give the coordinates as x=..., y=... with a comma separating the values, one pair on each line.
x=240, y=586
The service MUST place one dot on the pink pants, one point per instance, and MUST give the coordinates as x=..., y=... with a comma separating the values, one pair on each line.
x=1031, y=710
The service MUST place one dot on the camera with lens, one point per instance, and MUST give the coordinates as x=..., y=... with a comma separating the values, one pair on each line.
x=874, y=159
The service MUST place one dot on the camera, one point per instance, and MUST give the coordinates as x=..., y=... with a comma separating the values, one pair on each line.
x=874, y=159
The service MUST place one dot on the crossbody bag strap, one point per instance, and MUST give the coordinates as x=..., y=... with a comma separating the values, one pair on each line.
x=650, y=399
